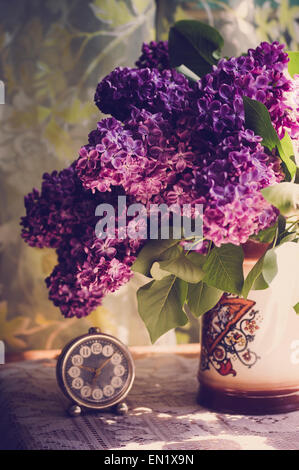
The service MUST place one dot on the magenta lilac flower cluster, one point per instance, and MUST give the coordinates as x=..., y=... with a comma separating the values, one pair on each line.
x=196, y=147
x=61, y=209
x=154, y=56
x=166, y=92
x=87, y=270
x=260, y=75
x=62, y=216
x=168, y=141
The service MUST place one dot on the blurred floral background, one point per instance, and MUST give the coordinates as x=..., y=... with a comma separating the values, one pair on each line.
x=52, y=55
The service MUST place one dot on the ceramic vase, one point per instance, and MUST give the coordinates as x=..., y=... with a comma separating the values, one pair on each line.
x=249, y=360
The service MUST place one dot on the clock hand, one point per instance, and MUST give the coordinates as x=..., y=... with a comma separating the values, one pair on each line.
x=99, y=369
x=90, y=369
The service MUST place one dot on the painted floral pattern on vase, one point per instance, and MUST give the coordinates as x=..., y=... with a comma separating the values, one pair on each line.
x=227, y=333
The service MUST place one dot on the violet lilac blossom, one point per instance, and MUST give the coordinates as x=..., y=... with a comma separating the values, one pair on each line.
x=167, y=141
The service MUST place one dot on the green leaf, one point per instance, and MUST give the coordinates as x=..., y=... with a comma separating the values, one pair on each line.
x=293, y=64
x=188, y=73
x=158, y=273
x=197, y=258
x=296, y=307
x=289, y=237
x=194, y=44
x=267, y=235
x=224, y=268
x=281, y=226
x=202, y=298
x=183, y=268
x=252, y=277
x=287, y=147
x=151, y=252
x=171, y=253
x=259, y=283
x=257, y=118
x=270, y=268
x=159, y=304
x=284, y=196
x=182, y=288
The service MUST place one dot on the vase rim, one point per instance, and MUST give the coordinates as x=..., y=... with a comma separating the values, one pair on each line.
x=254, y=249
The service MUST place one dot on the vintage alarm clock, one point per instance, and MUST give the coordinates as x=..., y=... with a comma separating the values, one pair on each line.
x=95, y=371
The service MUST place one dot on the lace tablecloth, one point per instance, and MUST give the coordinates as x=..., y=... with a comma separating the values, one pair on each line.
x=163, y=414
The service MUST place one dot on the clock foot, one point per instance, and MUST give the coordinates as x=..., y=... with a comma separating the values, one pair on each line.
x=74, y=410
x=121, y=408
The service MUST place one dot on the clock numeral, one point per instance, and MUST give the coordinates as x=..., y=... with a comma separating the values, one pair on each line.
x=116, y=359
x=116, y=382
x=85, y=351
x=85, y=391
x=96, y=348
x=107, y=350
x=77, y=360
x=119, y=370
x=108, y=390
x=77, y=383
x=97, y=394
x=74, y=371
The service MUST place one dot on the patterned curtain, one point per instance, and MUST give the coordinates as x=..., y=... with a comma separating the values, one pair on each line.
x=242, y=23
x=52, y=55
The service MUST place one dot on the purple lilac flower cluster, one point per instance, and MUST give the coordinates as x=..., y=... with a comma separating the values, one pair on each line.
x=63, y=208
x=167, y=92
x=88, y=269
x=62, y=216
x=143, y=156
x=199, y=151
x=168, y=141
x=260, y=75
x=154, y=56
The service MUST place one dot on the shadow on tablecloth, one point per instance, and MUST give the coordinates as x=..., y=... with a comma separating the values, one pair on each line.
x=163, y=414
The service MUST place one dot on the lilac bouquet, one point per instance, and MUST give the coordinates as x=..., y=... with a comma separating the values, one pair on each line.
x=185, y=127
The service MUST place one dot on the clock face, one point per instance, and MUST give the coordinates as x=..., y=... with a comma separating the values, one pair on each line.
x=96, y=371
